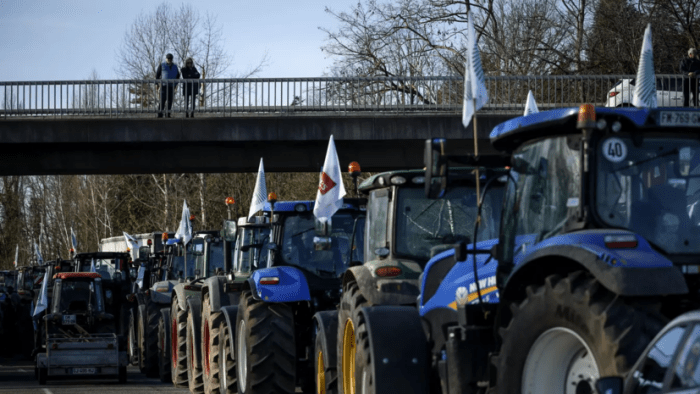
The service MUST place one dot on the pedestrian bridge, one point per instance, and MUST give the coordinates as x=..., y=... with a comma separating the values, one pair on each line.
x=110, y=126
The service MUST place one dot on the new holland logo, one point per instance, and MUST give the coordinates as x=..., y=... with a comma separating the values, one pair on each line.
x=326, y=184
x=462, y=295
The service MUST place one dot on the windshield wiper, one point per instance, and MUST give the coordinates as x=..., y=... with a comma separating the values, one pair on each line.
x=302, y=232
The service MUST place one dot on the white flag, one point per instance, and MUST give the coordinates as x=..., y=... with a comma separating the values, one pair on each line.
x=184, y=231
x=475, y=94
x=645, y=88
x=131, y=242
x=260, y=193
x=329, y=197
x=74, y=240
x=92, y=266
x=39, y=259
x=16, y=255
x=531, y=105
x=43, y=299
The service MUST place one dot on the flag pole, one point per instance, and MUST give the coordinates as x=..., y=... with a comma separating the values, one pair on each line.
x=476, y=158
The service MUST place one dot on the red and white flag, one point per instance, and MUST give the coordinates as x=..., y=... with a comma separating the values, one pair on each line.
x=329, y=197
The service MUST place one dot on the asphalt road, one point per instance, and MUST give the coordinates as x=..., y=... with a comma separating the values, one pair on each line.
x=17, y=376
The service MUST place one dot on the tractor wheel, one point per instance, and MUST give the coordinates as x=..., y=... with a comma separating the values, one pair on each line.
x=194, y=373
x=210, y=346
x=567, y=333
x=227, y=366
x=131, y=341
x=348, y=341
x=148, y=340
x=163, y=351
x=265, y=347
x=178, y=345
x=43, y=373
x=326, y=375
x=122, y=374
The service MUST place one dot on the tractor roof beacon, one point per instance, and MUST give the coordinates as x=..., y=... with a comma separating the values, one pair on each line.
x=599, y=240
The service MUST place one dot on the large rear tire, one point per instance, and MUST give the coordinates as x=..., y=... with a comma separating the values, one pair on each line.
x=326, y=374
x=164, y=350
x=42, y=374
x=265, y=347
x=122, y=374
x=227, y=368
x=178, y=345
x=194, y=372
x=148, y=340
x=569, y=332
x=131, y=341
x=210, y=346
x=349, y=327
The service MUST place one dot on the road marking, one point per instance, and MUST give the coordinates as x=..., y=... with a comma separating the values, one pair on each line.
x=21, y=370
x=47, y=391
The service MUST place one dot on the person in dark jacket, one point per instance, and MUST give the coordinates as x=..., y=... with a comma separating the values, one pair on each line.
x=167, y=70
x=191, y=88
x=690, y=66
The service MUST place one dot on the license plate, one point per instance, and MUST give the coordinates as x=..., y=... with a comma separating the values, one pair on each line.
x=84, y=371
x=680, y=118
x=68, y=319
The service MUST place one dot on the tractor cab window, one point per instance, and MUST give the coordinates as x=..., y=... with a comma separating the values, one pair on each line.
x=215, y=257
x=650, y=376
x=249, y=248
x=298, y=244
x=543, y=191
x=423, y=223
x=198, y=251
x=651, y=187
x=377, y=213
x=77, y=296
x=106, y=267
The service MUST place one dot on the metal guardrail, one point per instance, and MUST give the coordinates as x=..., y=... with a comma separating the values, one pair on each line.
x=340, y=96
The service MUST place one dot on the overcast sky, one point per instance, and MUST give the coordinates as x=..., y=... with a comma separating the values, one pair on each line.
x=67, y=39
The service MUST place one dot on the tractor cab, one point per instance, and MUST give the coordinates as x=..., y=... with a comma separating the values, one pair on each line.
x=292, y=240
x=247, y=243
x=77, y=305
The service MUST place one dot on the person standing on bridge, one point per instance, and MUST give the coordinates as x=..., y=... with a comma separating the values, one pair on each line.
x=191, y=88
x=167, y=70
x=690, y=66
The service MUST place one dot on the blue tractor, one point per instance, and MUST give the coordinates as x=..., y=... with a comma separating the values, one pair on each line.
x=269, y=336
x=598, y=247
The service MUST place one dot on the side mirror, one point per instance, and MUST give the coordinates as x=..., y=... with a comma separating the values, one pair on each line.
x=609, y=385
x=197, y=273
x=435, y=162
x=144, y=251
x=229, y=231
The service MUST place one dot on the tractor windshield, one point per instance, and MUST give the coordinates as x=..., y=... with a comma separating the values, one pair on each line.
x=651, y=186
x=106, y=267
x=423, y=223
x=298, y=244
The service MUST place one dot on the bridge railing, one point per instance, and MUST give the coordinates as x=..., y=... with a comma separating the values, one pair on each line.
x=237, y=97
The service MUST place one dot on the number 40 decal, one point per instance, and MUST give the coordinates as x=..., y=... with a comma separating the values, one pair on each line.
x=614, y=150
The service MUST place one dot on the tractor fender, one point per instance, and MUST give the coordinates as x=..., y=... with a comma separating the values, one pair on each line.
x=326, y=323
x=392, y=358
x=195, y=309
x=179, y=291
x=230, y=312
x=619, y=279
x=214, y=286
x=292, y=285
x=404, y=291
